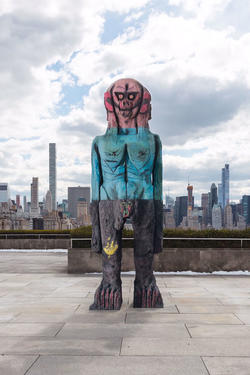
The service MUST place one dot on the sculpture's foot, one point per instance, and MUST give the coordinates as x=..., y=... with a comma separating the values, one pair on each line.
x=147, y=297
x=107, y=298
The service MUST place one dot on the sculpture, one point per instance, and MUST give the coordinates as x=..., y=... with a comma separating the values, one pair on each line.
x=127, y=183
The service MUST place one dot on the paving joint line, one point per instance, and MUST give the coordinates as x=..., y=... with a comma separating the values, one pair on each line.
x=188, y=331
x=26, y=372
x=120, y=347
x=243, y=323
x=77, y=308
x=205, y=365
x=60, y=329
x=177, y=309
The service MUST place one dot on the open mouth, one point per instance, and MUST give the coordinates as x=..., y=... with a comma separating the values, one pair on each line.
x=126, y=113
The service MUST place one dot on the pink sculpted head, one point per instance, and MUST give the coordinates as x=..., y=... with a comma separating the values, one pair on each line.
x=128, y=104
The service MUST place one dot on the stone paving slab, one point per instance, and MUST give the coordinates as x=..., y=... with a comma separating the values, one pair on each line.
x=88, y=331
x=194, y=301
x=227, y=366
x=218, y=309
x=167, y=309
x=159, y=318
x=41, y=318
x=235, y=301
x=219, y=331
x=38, y=307
x=53, y=346
x=68, y=365
x=16, y=365
x=186, y=347
x=190, y=292
x=109, y=317
x=6, y=317
x=29, y=329
x=46, y=326
x=244, y=317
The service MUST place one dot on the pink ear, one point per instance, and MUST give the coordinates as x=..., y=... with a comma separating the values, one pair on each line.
x=108, y=102
x=145, y=102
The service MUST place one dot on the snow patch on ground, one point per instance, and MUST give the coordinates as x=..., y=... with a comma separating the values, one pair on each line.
x=187, y=273
x=33, y=251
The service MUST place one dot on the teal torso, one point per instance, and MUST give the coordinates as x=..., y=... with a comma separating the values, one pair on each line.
x=127, y=163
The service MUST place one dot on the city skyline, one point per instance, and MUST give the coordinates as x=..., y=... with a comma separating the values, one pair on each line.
x=59, y=60
x=222, y=187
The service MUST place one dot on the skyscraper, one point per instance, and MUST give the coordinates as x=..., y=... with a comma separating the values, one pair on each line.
x=52, y=173
x=246, y=208
x=190, y=199
x=24, y=204
x=180, y=209
x=216, y=217
x=18, y=201
x=228, y=217
x=34, y=209
x=4, y=192
x=48, y=201
x=169, y=201
x=225, y=185
x=74, y=194
x=220, y=194
x=214, y=196
x=205, y=208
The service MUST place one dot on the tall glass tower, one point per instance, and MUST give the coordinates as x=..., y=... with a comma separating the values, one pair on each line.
x=34, y=201
x=214, y=195
x=52, y=173
x=220, y=194
x=4, y=192
x=225, y=185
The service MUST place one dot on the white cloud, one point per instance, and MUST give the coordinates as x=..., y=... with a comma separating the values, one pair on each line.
x=198, y=74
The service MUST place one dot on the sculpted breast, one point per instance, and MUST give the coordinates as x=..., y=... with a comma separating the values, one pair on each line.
x=112, y=153
x=140, y=153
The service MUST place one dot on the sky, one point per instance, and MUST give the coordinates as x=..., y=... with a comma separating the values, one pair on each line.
x=58, y=58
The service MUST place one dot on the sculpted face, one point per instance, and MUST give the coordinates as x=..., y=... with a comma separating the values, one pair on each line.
x=128, y=104
x=127, y=95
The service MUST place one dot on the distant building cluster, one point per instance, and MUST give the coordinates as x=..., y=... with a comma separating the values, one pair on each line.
x=48, y=214
x=215, y=211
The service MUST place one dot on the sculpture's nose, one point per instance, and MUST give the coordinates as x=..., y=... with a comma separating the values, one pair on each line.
x=126, y=104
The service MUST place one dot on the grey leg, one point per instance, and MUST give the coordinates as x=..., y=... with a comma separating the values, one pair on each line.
x=108, y=295
x=146, y=292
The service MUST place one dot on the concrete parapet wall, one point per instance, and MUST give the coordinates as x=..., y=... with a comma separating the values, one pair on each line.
x=35, y=243
x=171, y=259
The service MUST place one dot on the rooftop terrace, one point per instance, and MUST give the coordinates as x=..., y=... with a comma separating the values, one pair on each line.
x=46, y=327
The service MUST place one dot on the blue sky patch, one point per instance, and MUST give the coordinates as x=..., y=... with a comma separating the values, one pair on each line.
x=26, y=156
x=113, y=26
x=56, y=67
x=72, y=97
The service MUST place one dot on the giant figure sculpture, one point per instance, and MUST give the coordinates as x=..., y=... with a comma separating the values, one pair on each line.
x=127, y=183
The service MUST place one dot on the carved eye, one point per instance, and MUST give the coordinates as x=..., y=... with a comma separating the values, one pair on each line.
x=119, y=95
x=131, y=96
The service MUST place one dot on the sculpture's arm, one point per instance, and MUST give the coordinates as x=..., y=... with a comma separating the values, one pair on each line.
x=96, y=175
x=157, y=171
x=96, y=181
x=157, y=186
